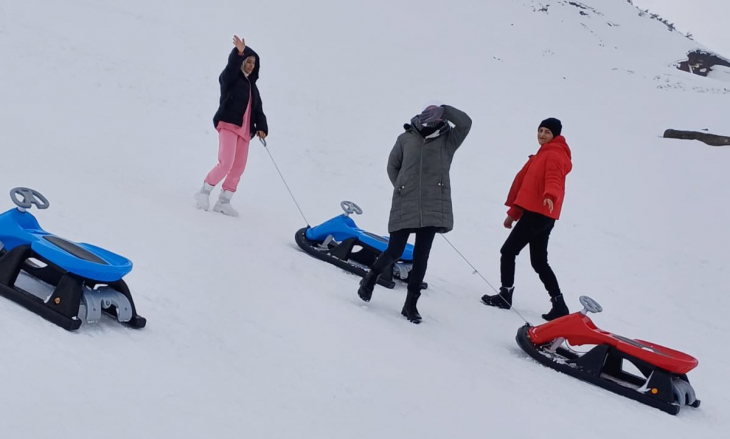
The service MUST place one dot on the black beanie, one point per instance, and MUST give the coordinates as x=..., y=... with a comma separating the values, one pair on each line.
x=553, y=125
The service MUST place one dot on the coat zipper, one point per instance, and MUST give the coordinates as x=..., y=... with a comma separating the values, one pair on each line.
x=420, y=186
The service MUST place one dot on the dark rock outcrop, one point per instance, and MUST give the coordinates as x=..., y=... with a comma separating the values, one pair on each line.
x=701, y=62
x=710, y=139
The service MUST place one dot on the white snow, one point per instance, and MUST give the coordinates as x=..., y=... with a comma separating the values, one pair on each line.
x=106, y=108
x=702, y=18
x=720, y=72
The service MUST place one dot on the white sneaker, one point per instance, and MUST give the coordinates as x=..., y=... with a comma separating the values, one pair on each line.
x=202, y=198
x=223, y=205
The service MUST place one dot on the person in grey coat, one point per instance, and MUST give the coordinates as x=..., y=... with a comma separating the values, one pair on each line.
x=418, y=167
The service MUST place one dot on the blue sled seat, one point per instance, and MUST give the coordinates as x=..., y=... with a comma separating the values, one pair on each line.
x=85, y=260
x=343, y=227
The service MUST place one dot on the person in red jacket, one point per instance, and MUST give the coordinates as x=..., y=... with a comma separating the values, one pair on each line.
x=535, y=201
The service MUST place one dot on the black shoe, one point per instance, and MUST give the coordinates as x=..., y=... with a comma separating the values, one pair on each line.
x=367, y=285
x=560, y=309
x=502, y=300
x=409, y=308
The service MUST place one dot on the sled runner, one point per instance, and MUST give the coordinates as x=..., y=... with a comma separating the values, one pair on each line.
x=662, y=382
x=340, y=242
x=75, y=282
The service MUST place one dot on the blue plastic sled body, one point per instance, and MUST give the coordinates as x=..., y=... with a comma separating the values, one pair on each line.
x=339, y=241
x=84, y=260
x=79, y=281
x=343, y=227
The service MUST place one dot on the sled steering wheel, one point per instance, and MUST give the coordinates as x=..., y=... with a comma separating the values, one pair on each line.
x=590, y=305
x=349, y=207
x=30, y=197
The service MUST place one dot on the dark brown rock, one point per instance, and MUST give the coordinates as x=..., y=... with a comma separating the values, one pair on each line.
x=710, y=139
x=701, y=62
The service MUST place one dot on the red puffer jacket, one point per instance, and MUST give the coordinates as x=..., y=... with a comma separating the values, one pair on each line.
x=543, y=176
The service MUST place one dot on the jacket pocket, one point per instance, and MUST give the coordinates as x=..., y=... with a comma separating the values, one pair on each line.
x=445, y=195
x=397, y=203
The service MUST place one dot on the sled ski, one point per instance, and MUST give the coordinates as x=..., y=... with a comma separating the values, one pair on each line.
x=340, y=242
x=73, y=283
x=662, y=383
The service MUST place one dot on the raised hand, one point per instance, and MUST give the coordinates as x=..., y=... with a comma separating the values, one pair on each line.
x=240, y=44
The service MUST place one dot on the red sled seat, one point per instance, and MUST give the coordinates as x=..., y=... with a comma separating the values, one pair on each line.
x=578, y=329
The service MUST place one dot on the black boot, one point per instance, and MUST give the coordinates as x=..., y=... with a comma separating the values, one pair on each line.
x=367, y=285
x=560, y=309
x=502, y=300
x=409, y=308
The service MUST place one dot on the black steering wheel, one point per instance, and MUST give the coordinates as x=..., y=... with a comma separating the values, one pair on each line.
x=30, y=197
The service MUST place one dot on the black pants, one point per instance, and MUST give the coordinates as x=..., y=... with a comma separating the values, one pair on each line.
x=533, y=229
x=421, y=252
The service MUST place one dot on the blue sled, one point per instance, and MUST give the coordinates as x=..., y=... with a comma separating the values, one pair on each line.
x=86, y=279
x=340, y=242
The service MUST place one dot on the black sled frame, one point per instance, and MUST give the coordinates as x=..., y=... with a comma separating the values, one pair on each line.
x=63, y=305
x=602, y=366
x=342, y=255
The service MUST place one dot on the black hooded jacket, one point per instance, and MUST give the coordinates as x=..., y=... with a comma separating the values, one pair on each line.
x=235, y=91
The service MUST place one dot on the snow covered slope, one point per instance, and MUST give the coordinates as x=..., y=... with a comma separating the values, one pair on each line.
x=106, y=108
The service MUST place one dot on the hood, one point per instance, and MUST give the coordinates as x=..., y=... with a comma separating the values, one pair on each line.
x=558, y=144
x=416, y=125
x=254, y=76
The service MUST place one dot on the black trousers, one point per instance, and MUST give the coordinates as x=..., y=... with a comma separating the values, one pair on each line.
x=421, y=252
x=533, y=229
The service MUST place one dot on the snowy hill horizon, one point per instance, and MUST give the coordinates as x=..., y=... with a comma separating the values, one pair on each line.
x=107, y=110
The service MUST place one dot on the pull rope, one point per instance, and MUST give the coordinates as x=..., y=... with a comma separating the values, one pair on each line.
x=284, y=180
x=484, y=279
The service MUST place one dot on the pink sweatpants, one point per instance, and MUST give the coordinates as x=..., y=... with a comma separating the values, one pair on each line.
x=232, y=157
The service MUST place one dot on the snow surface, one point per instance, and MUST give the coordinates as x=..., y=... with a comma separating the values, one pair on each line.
x=720, y=72
x=704, y=19
x=106, y=109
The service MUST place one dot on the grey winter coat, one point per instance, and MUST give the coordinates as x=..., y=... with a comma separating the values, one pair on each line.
x=419, y=168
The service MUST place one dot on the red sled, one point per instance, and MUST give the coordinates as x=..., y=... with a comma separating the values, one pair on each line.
x=662, y=382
